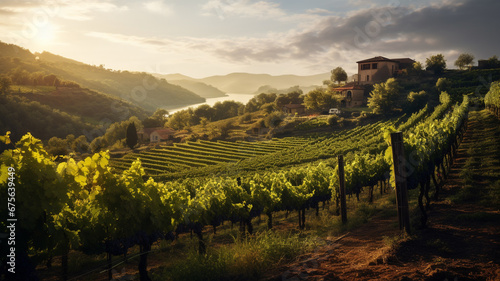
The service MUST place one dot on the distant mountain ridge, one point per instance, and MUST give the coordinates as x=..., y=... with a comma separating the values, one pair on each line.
x=140, y=88
x=248, y=83
x=199, y=88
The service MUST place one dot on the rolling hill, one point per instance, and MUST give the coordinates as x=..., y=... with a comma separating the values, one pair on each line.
x=47, y=111
x=141, y=89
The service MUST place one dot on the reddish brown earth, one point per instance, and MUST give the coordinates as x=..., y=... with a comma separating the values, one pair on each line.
x=448, y=249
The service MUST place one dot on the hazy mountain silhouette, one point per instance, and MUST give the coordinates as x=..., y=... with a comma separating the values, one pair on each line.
x=248, y=83
x=201, y=89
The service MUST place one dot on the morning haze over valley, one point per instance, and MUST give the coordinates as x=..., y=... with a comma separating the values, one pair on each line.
x=249, y=140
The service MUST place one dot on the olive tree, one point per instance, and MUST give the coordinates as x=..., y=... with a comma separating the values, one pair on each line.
x=464, y=61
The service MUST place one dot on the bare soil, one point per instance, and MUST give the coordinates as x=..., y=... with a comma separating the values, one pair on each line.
x=456, y=245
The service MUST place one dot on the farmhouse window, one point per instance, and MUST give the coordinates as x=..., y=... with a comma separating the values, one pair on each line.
x=365, y=66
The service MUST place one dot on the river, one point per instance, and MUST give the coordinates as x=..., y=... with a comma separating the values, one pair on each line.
x=243, y=98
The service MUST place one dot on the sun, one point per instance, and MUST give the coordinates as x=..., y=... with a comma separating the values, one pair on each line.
x=45, y=34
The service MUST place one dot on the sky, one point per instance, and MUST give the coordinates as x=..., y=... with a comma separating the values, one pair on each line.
x=200, y=38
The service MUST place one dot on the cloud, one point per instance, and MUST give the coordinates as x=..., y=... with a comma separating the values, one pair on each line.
x=318, y=11
x=391, y=31
x=158, y=7
x=82, y=10
x=132, y=40
x=397, y=31
x=6, y=12
x=242, y=8
x=79, y=10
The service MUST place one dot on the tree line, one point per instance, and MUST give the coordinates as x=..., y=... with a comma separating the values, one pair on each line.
x=19, y=76
x=203, y=114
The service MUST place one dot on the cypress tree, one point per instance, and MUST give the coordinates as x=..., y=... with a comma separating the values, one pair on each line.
x=131, y=135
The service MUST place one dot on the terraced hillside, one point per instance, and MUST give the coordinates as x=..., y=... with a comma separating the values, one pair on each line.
x=204, y=153
x=208, y=157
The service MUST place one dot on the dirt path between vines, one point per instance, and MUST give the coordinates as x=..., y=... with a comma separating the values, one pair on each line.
x=450, y=248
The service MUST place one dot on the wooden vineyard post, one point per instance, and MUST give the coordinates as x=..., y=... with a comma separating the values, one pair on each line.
x=399, y=161
x=343, y=207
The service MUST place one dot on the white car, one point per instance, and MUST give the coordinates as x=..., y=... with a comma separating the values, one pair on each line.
x=334, y=111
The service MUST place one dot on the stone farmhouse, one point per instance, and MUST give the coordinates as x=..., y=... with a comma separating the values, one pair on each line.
x=155, y=134
x=294, y=109
x=353, y=95
x=379, y=69
x=370, y=71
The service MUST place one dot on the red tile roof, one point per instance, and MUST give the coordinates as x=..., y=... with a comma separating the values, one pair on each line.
x=375, y=59
x=148, y=131
x=164, y=133
x=405, y=60
x=380, y=58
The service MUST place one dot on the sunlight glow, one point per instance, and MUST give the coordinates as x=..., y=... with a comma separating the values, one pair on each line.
x=45, y=34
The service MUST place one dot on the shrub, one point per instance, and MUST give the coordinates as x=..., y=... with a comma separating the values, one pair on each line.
x=246, y=117
x=273, y=120
x=332, y=120
x=443, y=84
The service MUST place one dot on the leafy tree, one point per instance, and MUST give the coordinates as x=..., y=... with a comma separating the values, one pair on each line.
x=116, y=134
x=131, y=135
x=265, y=98
x=97, y=144
x=57, y=146
x=338, y=75
x=273, y=120
x=383, y=98
x=226, y=109
x=417, y=99
x=332, y=120
x=258, y=101
x=156, y=120
x=416, y=69
x=414, y=96
x=417, y=66
x=203, y=121
x=205, y=111
x=80, y=144
x=160, y=114
x=5, y=83
x=182, y=119
x=50, y=80
x=151, y=123
x=319, y=99
x=251, y=106
x=267, y=107
x=225, y=127
x=281, y=100
x=465, y=60
x=294, y=97
x=443, y=84
x=19, y=76
x=436, y=64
